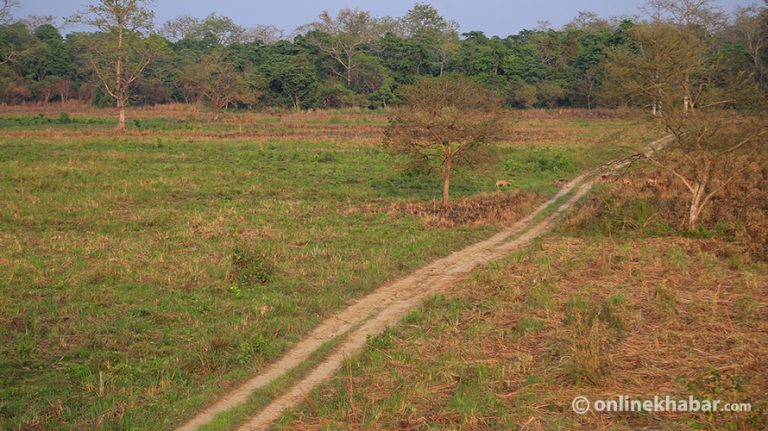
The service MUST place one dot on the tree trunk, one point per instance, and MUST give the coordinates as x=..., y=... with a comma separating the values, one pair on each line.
x=349, y=70
x=121, y=115
x=696, y=207
x=119, y=91
x=446, y=179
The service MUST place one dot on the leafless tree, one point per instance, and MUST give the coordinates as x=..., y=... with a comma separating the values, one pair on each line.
x=751, y=28
x=587, y=21
x=63, y=88
x=6, y=6
x=587, y=85
x=701, y=13
x=267, y=34
x=180, y=27
x=34, y=21
x=119, y=55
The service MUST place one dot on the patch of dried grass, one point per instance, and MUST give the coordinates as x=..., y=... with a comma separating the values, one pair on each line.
x=740, y=211
x=477, y=210
x=682, y=320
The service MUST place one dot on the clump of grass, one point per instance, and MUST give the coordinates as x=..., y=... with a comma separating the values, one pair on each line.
x=589, y=324
x=587, y=362
x=326, y=157
x=64, y=118
x=251, y=266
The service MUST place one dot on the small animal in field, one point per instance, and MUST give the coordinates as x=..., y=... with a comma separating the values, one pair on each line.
x=626, y=182
x=502, y=183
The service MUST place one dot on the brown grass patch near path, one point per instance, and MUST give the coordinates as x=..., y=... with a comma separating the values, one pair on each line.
x=481, y=209
x=568, y=317
x=650, y=201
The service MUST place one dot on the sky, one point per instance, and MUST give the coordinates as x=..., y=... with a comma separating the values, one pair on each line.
x=494, y=17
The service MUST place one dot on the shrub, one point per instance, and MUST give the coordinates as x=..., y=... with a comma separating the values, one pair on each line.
x=64, y=118
x=250, y=266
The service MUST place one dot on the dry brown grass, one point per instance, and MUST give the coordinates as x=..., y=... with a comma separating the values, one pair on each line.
x=482, y=209
x=560, y=128
x=739, y=212
x=635, y=318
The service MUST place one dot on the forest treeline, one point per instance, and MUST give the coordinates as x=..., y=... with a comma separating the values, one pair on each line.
x=354, y=59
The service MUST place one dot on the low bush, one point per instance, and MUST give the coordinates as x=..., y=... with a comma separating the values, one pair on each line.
x=251, y=266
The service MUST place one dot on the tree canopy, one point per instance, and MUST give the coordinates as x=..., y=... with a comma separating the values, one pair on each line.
x=354, y=58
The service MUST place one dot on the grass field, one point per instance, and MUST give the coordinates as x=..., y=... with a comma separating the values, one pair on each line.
x=570, y=316
x=142, y=275
x=619, y=301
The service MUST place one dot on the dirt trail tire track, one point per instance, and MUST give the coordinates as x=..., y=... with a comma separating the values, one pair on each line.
x=388, y=304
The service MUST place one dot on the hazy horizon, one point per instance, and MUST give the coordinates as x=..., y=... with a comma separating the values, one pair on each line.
x=494, y=17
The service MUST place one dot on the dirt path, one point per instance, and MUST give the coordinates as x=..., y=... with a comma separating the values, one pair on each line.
x=385, y=306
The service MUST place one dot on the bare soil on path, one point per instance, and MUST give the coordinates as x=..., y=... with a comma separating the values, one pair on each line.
x=387, y=305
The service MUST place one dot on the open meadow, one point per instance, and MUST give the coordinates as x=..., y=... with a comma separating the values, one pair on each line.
x=388, y=216
x=146, y=273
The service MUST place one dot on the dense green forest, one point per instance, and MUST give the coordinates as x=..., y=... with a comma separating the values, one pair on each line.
x=353, y=58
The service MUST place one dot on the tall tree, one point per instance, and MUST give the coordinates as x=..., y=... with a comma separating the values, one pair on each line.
x=342, y=38
x=294, y=76
x=424, y=24
x=6, y=6
x=219, y=81
x=120, y=54
x=703, y=14
x=446, y=120
x=657, y=66
x=751, y=28
x=669, y=64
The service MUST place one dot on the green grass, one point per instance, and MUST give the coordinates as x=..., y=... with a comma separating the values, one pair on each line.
x=200, y=123
x=142, y=276
x=261, y=397
x=117, y=261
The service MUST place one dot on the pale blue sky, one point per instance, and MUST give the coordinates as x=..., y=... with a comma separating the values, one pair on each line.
x=495, y=17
